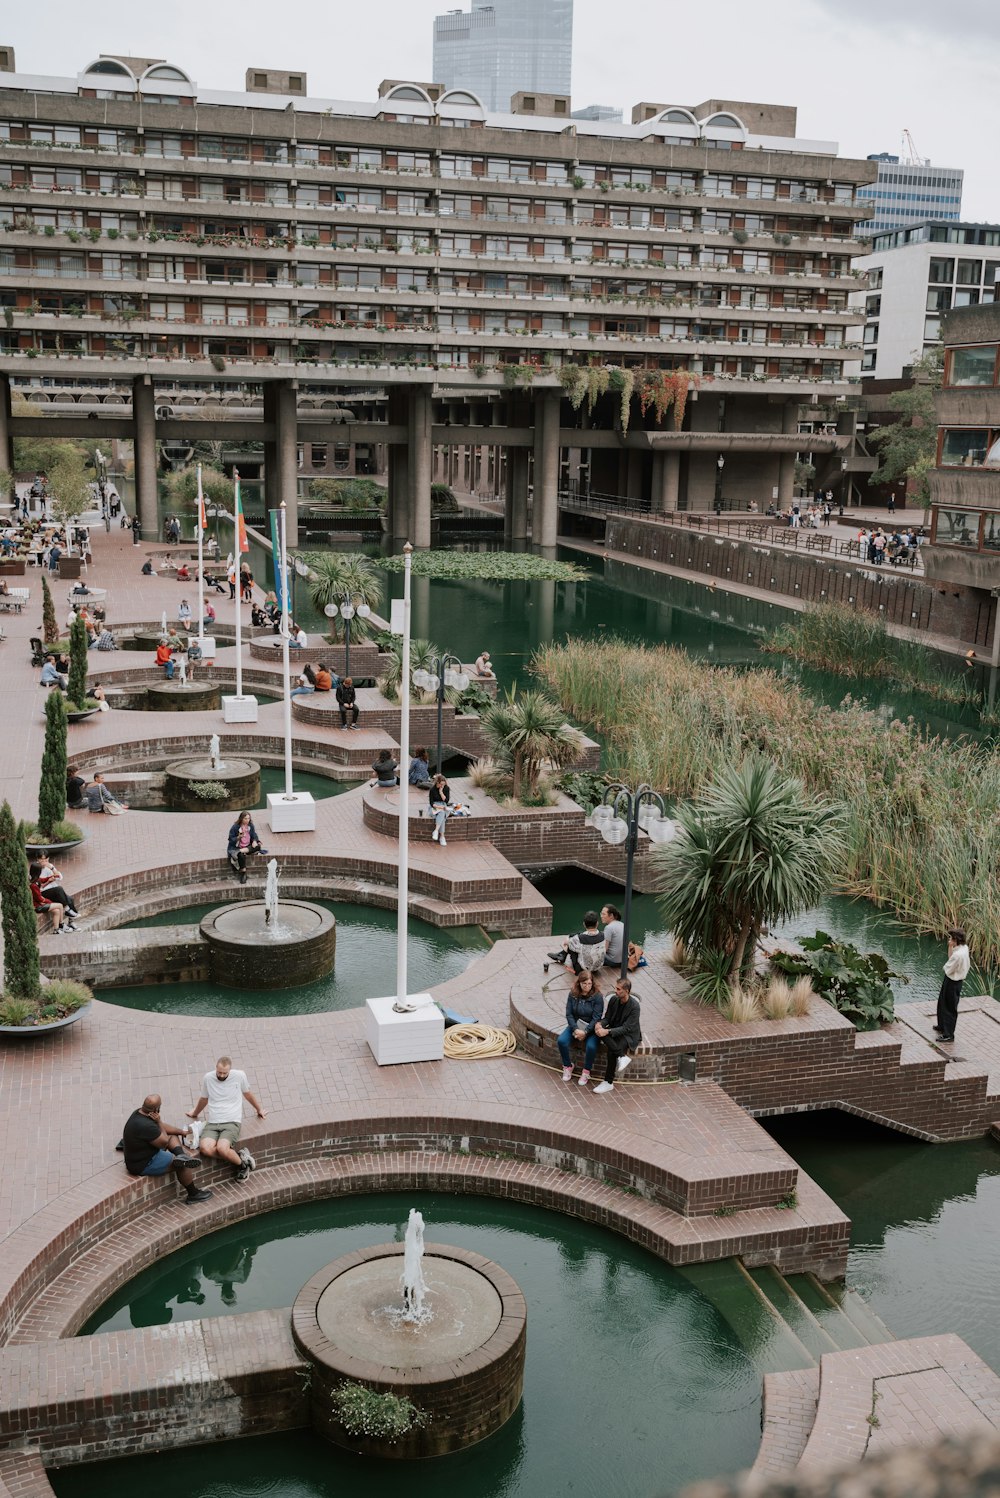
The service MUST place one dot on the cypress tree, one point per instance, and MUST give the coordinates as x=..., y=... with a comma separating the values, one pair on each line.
x=50, y=629
x=52, y=785
x=17, y=913
x=76, y=690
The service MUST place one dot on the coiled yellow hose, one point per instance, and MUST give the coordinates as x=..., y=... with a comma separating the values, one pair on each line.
x=478, y=1042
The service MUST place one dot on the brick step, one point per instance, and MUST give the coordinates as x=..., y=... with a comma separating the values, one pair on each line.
x=790, y=1400
x=793, y=1310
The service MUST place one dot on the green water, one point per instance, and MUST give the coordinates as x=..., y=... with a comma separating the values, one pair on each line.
x=365, y=967
x=634, y=1383
x=924, y=1222
x=272, y=779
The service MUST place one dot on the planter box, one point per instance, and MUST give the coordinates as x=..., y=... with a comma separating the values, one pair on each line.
x=32, y=1032
x=13, y=568
x=70, y=567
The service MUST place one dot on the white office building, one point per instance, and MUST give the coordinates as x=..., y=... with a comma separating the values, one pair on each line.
x=914, y=276
x=508, y=46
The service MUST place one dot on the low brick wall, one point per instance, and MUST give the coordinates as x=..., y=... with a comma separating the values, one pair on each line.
x=903, y=599
x=365, y=661
x=128, y=1392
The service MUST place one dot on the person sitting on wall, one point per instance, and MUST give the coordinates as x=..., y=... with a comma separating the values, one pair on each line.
x=183, y=573
x=584, y=950
x=420, y=771
x=75, y=783
x=307, y=683
x=99, y=798
x=584, y=1007
x=484, y=668
x=165, y=658
x=257, y=617
x=384, y=769
x=149, y=1147
x=49, y=882
x=347, y=702
x=184, y=612
x=620, y=1030
x=297, y=637
x=243, y=841
x=52, y=910
x=324, y=679
x=146, y=570
x=51, y=676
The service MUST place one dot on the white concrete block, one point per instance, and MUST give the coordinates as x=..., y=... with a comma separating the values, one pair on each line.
x=296, y=813
x=396, y=1038
x=239, y=709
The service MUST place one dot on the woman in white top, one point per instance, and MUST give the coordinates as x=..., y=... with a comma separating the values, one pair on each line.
x=955, y=972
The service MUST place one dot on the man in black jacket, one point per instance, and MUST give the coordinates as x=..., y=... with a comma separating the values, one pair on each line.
x=620, y=1032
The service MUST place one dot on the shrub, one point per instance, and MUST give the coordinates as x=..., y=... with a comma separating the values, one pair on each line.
x=381, y=1417
x=334, y=576
x=443, y=501
x=776, y=999
x=50, y=629
x=855, y=983
x=525, y=733
x=585, y=787
x=76, y=686
x=208, y=790
x=67, y=994
x=14, y=1011
x=52, y=783
x=17, y=914
x=474, y=699
x=800, y=994
x=64, y=831
x=742, y=1007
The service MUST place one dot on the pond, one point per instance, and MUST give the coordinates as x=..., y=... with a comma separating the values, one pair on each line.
x=272, y=780
x=365, y=967
x=616, y=1339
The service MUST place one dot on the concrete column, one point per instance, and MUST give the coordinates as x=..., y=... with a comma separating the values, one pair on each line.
x=545, y=518
x=272, y=497
x=666, y=481
x=516, y=497
x=6, y=441
x=144, y=439
x=420, y=465
x=786, y=467
x=633, y=473
x=287, y=465
x=397, y=470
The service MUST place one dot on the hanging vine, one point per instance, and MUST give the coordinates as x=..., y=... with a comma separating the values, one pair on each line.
x=597, y=383
x=573, y=379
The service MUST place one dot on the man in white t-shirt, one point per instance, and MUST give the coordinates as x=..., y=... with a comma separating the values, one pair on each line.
x=222, y=1092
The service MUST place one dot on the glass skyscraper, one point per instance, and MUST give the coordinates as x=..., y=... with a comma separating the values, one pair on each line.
x=906, y=193
x=498, y=49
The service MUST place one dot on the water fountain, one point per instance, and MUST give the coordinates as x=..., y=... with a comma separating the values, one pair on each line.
x=271, y=944
x=453, y=1346
x=185, y=781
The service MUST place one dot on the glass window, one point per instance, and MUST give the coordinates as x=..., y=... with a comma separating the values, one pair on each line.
x=941, y=270
x=973, y=366
x=965, y=446
x=957, y=528
x=991, y=533
x=966, y=296
x=970, y=272
x=939, y=298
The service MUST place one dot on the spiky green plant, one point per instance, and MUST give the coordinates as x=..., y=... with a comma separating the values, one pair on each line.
x=334, y=576
x=52, y=782
x=527, y=732
x=17, y=913
x=424, y=655
x=76, y=687
x=755, y=848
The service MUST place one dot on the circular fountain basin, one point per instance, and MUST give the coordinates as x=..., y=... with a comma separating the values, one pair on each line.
x=462, y=1367
x=239, y=777
x=194, y=697
x=245, y=952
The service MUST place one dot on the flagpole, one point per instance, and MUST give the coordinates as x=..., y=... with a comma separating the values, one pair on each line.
x=402, y=893
x=240, y=547
x=282, y=563
x=201, y=560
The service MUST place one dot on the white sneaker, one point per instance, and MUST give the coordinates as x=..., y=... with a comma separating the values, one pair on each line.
x=623, y=1063
x=583, y=1079
x=435, y=835
x=247, y=1159
x=567, y=1073
x=604, y=1087
x=444, y=841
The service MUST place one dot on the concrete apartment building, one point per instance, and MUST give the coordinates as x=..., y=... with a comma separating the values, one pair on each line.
x=965, y=484
x=412, y=273
x=501, y=48
x=907, y=192
x=916, y=275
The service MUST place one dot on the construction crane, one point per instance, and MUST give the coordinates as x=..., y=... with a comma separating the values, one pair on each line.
x=910, y=155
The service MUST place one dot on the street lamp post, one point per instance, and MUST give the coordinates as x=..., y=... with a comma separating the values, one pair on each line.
x=720, y=464
x=618, y=818
x=299, y=568
x=346, y=611
x=447, y=672
x=843, y=482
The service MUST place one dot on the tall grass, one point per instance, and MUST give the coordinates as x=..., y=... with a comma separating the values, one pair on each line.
x=853, y=642
x=923, y=814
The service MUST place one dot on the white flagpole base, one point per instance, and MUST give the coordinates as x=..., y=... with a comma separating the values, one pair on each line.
x=395, y=1038
x=239, y=709
x=295, y=813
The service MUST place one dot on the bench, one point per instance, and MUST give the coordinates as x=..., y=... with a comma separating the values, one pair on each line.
x=13, y=601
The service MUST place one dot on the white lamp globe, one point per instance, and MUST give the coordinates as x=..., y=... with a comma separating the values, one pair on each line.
x=661, y=829
x=602, y=814
x=363, y=610
x=615, y=831
x=331, y=611
x=421, y=679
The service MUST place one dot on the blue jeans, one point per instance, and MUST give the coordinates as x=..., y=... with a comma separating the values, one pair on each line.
x=589, y=1048
x=440, y=815
x=301, y=691
x=161, y=1162
x=168, y=667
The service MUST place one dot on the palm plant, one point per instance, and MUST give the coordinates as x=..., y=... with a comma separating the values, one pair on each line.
x=754, y=848
x=336, y=575
x=424, y=656
x=527, y=733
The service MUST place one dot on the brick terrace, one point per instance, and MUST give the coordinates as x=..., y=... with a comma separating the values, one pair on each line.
x=75, y=1226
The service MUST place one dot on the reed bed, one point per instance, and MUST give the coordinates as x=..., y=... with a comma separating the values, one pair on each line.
x=853, y=642
x=923, y=813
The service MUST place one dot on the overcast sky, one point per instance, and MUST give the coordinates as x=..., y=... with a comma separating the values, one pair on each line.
x=858, y=70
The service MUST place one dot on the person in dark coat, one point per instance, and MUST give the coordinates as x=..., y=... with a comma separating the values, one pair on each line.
x=243, y=841
x=347, y=702
x=620, y=1032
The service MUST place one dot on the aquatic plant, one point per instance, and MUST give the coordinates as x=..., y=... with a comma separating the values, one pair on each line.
x=489, y=566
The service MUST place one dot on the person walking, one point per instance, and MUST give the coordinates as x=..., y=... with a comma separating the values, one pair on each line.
x=222, y=1093
x=956, y=970
x=620, y=1031
x=584, y=1007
